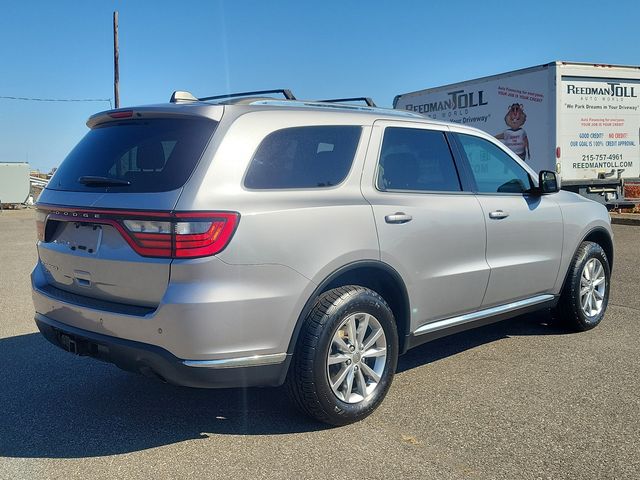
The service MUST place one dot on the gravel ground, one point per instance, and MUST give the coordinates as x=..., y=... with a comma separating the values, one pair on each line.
x=519, y=399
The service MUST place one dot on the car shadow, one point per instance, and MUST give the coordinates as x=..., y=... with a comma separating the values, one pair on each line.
x=56, y=405
x=537, y=323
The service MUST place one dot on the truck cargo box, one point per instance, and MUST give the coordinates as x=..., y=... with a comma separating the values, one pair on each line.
x=582, y=120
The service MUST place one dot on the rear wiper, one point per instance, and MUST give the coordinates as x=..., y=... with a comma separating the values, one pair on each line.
x=94, y=181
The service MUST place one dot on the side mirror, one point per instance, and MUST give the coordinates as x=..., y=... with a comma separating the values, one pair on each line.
x=548, y=182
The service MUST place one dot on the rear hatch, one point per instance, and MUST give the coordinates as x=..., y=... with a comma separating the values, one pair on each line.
x=105, y=221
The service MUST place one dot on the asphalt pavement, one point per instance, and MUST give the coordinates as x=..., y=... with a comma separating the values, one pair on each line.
x=521, y=399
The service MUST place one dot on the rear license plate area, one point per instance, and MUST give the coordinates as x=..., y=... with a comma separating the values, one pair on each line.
x=81, y=236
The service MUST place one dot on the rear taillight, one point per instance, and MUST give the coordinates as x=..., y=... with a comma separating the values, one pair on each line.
x=202, y=234
x=157, y=234
x=41, y=217
x=151, y=238
x=185, y=235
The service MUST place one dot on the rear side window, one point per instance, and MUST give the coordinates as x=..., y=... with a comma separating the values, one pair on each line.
x=417, y=160
x=303, y=157
x=153, y=155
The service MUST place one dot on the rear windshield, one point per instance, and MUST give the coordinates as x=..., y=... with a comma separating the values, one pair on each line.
x=134, y=156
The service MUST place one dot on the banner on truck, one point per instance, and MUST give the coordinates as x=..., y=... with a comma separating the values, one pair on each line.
x=600, y=120
x=515, y=110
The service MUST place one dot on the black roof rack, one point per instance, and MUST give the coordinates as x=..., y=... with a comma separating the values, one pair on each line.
x=367, y=100
x=286, y=93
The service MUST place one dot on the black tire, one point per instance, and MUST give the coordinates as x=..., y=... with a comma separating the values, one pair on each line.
x=570, y=311
x=308, y=380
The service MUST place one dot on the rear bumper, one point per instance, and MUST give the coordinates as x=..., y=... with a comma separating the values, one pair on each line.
x=154, y=361
x=210, y=310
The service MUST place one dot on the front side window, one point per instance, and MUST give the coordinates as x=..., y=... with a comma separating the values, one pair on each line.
x=303, y=157
x=493, y=170
x=414, y=159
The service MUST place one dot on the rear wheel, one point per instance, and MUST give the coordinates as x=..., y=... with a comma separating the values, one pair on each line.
x=346, y=356
x=586, y=292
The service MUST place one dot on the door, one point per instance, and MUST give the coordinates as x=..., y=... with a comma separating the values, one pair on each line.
x=524, y=231
x=429, y=230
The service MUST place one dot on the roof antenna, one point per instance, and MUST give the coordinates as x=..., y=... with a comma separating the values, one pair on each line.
x=182, y=96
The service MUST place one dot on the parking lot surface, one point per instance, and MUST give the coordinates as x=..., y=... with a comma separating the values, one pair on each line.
x=519, y=399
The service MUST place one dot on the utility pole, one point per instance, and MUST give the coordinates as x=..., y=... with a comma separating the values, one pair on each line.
x=116, y=67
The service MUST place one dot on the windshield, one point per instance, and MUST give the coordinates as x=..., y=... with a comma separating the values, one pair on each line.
x=133, y=156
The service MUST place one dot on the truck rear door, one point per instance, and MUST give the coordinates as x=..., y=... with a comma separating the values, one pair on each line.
x=598, y=127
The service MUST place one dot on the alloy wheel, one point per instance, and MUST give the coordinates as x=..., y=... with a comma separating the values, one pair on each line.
x=356, y=358
x=593, y=284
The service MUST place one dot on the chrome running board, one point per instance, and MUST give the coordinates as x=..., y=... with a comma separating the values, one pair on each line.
x=481, y=314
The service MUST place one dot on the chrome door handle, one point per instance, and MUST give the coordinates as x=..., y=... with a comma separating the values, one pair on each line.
x=398, y=217
x=498, y=214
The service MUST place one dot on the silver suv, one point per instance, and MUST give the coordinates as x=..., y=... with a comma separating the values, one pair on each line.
x=249, y=241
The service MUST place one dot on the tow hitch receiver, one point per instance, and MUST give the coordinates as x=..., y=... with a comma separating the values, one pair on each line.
x=72, y=345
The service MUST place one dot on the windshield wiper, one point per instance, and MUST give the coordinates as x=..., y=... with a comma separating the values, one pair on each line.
x=94, y=181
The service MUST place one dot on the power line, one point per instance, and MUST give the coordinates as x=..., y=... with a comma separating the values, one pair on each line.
x=57, y=99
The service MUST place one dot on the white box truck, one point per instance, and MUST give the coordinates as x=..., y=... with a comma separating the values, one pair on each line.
x=14, y=183
x=580, y=119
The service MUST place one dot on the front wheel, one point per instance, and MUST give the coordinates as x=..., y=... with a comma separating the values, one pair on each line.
x=346, y=356
x=586, y=292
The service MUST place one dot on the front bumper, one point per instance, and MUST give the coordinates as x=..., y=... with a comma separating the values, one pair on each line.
x=154, y=361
